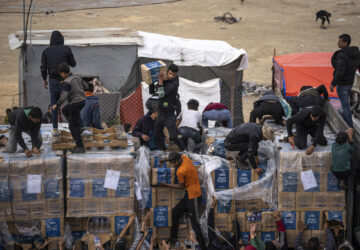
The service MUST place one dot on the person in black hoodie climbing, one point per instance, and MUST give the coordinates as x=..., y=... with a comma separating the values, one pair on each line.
x=51, y=58
x=345, y=61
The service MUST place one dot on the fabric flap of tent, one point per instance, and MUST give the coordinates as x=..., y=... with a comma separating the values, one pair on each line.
x=302, y=69
x=190, y=52
x=204, y=92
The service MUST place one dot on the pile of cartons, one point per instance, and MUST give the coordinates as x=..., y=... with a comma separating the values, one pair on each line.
x=312, y=206
x=31, y=198
x=87, y=194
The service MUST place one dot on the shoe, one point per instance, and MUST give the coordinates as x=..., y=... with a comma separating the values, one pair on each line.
x=190, y=145
x=86, y=133
x=342, y=185
x=56, y=133
x=78, y=150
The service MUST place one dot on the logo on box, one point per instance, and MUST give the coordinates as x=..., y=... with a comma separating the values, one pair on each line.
x=77, y=187
x=243, y=177
x=52, y=227
x=120, y=223
x=161, y=216
x=123, y=188
x=312, y=218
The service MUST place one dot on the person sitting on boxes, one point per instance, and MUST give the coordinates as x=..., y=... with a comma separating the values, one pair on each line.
x=26, y=120
x=314, y=243
x=308, y=121
x=188, y=180
x=341, y=153
x=245, y=139
x=90, y=113
x=189, y=125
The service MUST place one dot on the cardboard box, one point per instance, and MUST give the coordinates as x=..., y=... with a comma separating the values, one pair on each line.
x=161, y=216
x=268, y=236
x=36, y=166
x=52, y=227
x=263, y=166
x=163, y=196
x=245, y=237
x=77, y=224
x=176, y=196
x=223, y=222
x=53, y=188
x=155, y=162
x=97, y=189
x=304, y=201
x=321, y=200
x=53, y=167
x=223, y=178
x=151, y=202
x=225, y=203
x=18, y=168
x=312, y=218
x=76, y=167
x=21, y=211
x=268, y=223
x=331, y=182
x=335, y=215
x=255, y=205
x=94, y=167
x=7, y=190
x=77, y=187
x=38, y=209
x=125, y=188
x=252, y=218
x=291, y=235
x=19, y=185
x=5, y=210
x=124, y=204
x=239, y=205
x=243, y=177
x=163, y=233
x=75, y=207
x=109, y=206
x=165, y=175
x=287, y=201
x=120, y=223
x=92, y=207
x=54, y=208
x=241, y=218
x=288, y=182
x=320, y=184
x=151, y=70
x=337, y=201
x=290, y=219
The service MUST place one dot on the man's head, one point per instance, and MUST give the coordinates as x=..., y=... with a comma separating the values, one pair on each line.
x=267, y=132
x=193, y=104
x=341, y=137
x=35, y=114
x=172, y=72
x=175, y=159
x=8, y=112
x=313, y=244
x=64, y=70
x=344, y=41
x=316, y=112
x=91, y=88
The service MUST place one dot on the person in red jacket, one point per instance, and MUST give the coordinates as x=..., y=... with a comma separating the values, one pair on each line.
x=217, y=112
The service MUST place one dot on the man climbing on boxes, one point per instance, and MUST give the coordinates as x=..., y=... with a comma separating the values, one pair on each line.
x=245, y=139
x=167, y=91
x=217, y=112
x=188, y=180
x=72, y=89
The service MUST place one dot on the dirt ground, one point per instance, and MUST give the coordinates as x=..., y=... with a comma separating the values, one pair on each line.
x=285, y=25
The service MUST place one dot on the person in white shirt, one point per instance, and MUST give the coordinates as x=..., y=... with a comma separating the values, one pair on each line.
x=189, y=125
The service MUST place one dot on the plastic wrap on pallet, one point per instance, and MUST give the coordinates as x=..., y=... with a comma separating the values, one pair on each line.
x=99, y=184
x=214, y=141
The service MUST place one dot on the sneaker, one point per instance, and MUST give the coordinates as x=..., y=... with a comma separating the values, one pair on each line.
x=86, y=133
x=56, y=133
x=190, y=145
x=342, y=184
x=78, y=150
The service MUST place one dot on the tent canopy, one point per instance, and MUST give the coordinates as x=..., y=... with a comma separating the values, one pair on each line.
x=296, y=70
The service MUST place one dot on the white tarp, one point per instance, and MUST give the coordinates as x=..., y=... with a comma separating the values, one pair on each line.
x=190, y=52
x=204, y=92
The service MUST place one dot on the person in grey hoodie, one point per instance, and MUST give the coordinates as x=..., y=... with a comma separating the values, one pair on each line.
x=51, y=58
x=72, y=89
x=345, y=62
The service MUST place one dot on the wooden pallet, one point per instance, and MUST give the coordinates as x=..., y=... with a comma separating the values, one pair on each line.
x=113, y=137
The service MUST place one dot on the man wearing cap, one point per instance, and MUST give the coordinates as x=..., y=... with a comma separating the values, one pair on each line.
x=245, y=139
x=308, y=122
x=188, y=180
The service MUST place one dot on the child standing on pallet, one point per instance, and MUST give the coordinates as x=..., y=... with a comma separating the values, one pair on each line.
x=72, y=89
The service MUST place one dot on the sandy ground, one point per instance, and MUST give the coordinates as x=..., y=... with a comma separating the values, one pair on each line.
x=285, y=25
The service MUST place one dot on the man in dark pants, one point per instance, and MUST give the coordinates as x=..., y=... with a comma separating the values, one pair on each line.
x=345, y=61
x=188, y=180
x=167, y=91
x=324, y=16
x=245, y=139
x=72, y=89
x=26, y=120
x=144, y=129
x=308, y=121
x=51, y=58
x=309, y=96
x=268, y=104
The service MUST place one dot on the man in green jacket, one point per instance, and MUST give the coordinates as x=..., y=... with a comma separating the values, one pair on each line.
x=341, y=153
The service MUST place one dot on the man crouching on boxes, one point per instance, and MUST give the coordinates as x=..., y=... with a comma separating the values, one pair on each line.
x=188, y=179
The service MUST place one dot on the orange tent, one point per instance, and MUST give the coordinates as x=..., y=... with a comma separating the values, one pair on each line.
x=293, y=71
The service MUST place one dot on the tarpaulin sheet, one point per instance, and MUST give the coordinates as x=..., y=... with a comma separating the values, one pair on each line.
x=302, y=69
x=131, y=108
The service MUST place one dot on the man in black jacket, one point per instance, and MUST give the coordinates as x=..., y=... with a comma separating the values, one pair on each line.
x=72, y=90
x=144, y=129
x=324, y=16
x=167, y=91
x=245, y=139
x=308, y=121
x=345, y=61
x=268, y=104
x=26, y=120
x=309, y=96
x=51, y=58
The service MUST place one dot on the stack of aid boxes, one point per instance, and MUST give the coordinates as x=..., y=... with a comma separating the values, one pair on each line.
x=313, y=206
x=31, y=197
x=151, y=70
x=101, y=185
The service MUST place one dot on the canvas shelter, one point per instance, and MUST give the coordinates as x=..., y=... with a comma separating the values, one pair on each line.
x=115, y=56
x=293, y=71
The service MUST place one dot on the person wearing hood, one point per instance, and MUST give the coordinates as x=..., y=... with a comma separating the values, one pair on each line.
x=268, y=104
x=310, y=96
x=51, y=58
x=145, y=129
x=90, y=113
x=345, y=61
x=245, y=138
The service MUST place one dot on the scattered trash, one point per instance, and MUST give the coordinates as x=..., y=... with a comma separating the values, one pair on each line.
x=227, y=18
x=254, y=89
x=341, y=20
